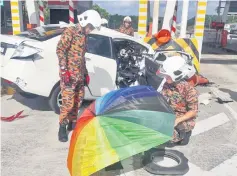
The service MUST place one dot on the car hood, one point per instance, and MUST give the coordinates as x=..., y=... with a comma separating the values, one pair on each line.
x=17, y=40
x=10, y=44
x=11, y=39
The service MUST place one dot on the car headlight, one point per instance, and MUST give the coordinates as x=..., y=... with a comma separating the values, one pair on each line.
x=24, y=51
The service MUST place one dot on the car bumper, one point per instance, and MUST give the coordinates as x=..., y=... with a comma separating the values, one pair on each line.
x=12, y=85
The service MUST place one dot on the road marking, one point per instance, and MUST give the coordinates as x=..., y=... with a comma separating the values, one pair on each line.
x=228, y=167
x=232, y=111
x=207, y=124
x=201, y=127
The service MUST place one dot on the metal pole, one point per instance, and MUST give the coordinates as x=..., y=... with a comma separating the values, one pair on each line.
x=169, y=12
x=71, y=12
x=219, y=11
x=199, y=24
x=226, y=10
x=41, y=16
x=17, y=19
x=142, y=18
x=184, y=19
x=33, y=16
x=155, y=21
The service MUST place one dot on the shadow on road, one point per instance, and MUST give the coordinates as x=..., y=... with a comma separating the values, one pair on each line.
x=220, y=62
x=39, y=103
x=233, y=94
x=213, y=50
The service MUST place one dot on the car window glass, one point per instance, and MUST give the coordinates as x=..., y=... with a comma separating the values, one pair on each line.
x=122, y=44
x=138, y=47
x=99, y=45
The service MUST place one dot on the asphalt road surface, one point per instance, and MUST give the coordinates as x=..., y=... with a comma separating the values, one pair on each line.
x=29, y=146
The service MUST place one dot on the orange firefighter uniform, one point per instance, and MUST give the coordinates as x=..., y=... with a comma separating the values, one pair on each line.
x=128, y=31
x=71, y=51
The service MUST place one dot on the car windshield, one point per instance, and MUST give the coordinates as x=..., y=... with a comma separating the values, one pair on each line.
x=43, y=33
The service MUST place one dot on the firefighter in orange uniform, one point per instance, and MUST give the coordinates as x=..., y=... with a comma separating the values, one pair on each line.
x=126, y=27
x=72, y=69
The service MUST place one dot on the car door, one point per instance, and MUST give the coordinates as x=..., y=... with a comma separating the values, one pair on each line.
x=100, y=64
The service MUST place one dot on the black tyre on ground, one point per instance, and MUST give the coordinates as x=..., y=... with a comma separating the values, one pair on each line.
x=150, y=166
x=55, y=99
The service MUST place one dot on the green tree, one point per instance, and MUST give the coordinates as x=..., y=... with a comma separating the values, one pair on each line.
x=103, y=13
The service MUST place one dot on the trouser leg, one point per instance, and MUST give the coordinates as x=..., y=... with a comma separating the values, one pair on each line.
x=67, y=111
x=79, y=96
x=182, y=132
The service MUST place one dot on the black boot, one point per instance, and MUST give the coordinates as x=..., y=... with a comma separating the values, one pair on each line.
x=71, y=125
x=62, y=133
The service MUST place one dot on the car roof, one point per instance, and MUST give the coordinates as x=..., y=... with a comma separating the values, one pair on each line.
x=103, y=31
x=117, y=35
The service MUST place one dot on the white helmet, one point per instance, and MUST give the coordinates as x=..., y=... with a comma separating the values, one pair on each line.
x=90, y=17
x=127, y=18
x=177, y=68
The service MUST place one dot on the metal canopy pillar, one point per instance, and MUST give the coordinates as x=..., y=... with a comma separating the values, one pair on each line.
x=200, y=21
x=184, y=20
x=155, y=17
x=169, y=12
x=226, y=10
x=17, y=16
x=142, y=18
x=32, y=12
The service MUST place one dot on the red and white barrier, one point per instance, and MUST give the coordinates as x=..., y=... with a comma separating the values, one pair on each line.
x=71, y=12
x=173, y=26
x=41, y=8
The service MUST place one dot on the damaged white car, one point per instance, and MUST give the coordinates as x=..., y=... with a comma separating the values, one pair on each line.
x=30, y=63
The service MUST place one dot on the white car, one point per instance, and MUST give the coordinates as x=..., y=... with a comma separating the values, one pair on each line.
x=30, y=62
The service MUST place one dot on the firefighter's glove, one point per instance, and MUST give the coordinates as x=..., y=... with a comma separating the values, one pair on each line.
x=87, y=80
x=66, y=76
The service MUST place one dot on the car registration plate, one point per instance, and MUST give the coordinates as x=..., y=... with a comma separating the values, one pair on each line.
x=20, y=83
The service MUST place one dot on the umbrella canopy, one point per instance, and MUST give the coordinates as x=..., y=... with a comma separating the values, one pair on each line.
x=118, y=125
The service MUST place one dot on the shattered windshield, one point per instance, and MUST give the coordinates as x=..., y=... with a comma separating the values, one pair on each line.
x=43, y=33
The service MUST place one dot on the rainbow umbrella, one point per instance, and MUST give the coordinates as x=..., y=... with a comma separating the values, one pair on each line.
x=118, y=125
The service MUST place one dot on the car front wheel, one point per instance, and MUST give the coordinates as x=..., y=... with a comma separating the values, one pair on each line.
x=55, y=100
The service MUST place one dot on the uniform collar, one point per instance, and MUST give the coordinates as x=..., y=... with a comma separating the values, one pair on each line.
x=79, y=29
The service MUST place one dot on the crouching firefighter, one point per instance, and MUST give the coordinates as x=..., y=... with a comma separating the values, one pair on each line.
x=181, y=96
x=72, y=69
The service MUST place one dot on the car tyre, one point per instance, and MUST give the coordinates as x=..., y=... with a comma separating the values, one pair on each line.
x=180, y=169
x=28, y=95
x=53, y=99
